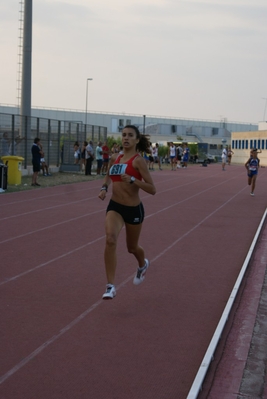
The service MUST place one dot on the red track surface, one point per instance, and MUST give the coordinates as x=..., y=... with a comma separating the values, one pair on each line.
x=59, y=340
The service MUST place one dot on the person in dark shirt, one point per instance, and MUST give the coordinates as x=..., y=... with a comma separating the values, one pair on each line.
x=36, y=160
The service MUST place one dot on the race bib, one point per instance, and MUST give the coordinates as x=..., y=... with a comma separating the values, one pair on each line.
x=118, y=169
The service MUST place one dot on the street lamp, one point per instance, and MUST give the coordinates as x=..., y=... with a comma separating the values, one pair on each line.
x=86, y=100
x=264, y=108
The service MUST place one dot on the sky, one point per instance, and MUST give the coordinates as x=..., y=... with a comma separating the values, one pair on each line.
x=199, y=59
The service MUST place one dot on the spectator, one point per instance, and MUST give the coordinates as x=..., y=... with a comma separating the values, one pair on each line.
x=224, y=156
x=186, y=153
x=5, y=143
x=172, y=155
x=115, y=148
x=230, y=153
x=83, y=159
x=13, y=147
x=43, y=163
x=89, y=155
x=156, y=155
x=179, y=154
x=36, y=160
x=99, y=157
x=105, y=152
x=146, y=158
x=77, y=152
x=151, y=158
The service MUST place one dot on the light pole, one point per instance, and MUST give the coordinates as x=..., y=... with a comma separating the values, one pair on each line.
x=86, y=101
x=144, y=124
x=264, y=108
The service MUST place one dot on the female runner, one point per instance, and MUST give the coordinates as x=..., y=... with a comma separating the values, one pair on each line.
x=252, y=166
x=129, y=173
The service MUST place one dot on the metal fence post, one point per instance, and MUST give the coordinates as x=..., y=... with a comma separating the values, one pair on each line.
x=26, y=141
x=12, y=134
x=48, y=142
x=58, y=144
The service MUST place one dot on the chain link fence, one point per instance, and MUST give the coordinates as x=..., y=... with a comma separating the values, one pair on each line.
x=57, y=137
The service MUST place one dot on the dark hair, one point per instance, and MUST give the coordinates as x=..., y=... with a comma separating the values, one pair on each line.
x=36, y=140
x=144, y=140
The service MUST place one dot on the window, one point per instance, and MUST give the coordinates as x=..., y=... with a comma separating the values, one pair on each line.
x=259, y=144
x=262, y=144
x=213, y=146
x=128, y=121
x=246, y=144
x=233, y=143
x=121, y=122
x=243, y=144
x=251, y=144
x=255, y=144
x=239, y=144
x=215, y=130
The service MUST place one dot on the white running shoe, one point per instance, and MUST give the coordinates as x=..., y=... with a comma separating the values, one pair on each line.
x=140, y=274
x=110, y=292
x=252, y=194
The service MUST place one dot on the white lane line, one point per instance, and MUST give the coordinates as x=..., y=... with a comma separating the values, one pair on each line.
x=47, y=343
x=46, y=196
x=92, y=213
x=51, y=340
x=50, y=226
x=151, y=215
x=95, y=196
x=47, y=209
x=50, y=261
x=7, y=280
x=198, y=224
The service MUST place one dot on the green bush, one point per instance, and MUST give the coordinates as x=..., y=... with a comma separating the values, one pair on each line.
x=163, y=150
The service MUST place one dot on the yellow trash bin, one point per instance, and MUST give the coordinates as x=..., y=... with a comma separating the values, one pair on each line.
x=14, y=164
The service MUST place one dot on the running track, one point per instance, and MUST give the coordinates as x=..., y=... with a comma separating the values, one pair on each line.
x=59, y=340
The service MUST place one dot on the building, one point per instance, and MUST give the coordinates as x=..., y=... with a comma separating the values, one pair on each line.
x=160, y=128
x=243, y=142
x=214, y=134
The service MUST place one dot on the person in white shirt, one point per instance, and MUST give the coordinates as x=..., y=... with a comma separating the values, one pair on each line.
x=156, y=155
x=99, y=157
x=172, y=155
x=224, y=157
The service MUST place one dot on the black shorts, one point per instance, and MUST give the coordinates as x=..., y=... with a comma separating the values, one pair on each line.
x=36, y=166
x=130, y=214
